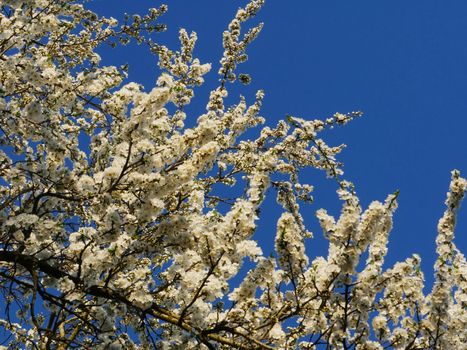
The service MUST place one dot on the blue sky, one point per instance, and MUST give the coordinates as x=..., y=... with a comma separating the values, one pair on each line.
x=403, y=63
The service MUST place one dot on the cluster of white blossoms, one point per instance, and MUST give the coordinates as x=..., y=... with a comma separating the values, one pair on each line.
x=117, y=230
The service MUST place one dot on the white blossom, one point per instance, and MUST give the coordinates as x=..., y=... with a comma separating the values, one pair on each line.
x=129, y=221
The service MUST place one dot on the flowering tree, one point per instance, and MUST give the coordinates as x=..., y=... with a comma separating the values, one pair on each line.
x=114, y=234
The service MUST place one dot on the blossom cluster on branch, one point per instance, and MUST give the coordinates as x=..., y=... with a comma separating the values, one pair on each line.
x=114, y=235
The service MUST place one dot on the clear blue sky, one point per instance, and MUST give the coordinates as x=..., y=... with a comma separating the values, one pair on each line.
x=403, y=63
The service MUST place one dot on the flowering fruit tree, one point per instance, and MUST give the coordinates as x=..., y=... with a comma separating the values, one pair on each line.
x=114, y=234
